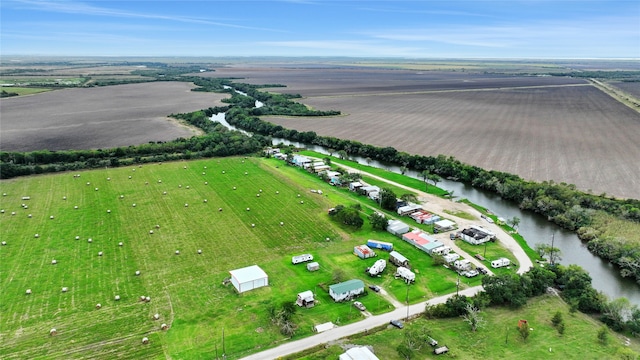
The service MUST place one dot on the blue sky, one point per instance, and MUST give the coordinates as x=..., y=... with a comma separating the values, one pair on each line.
x=408, y=29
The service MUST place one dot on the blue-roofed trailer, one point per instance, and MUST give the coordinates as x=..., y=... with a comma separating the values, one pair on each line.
x=375, y=244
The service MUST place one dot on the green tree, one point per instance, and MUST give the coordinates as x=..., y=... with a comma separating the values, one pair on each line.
x=378, y=221
x=524, y=331
x=514, y=222
x=343, y=155
x=403, y=169
x=603, y=335
x=473, y=318
x=434, y=178
x=388, y=199
x=409, y=197
x=557, y=319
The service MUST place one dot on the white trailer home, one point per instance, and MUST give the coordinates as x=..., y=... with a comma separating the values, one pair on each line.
x=301, y=258
x=407, y=275
x=377, y=268
x=500, y=263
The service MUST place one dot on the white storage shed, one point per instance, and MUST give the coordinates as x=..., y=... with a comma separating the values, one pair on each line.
x=249, y=278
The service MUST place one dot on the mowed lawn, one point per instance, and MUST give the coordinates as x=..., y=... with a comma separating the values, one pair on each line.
x=186, y=290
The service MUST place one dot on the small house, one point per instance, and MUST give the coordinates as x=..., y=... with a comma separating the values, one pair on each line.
x=444, y=225
x=346, y=290
x=398, y=259
x=305, y=299
x=354, y=186
x=314, y=266
x=363, y=252
x=301, y=161
x=375, y=244
x=476, y=235
x=397, y=227
x=248, y=278
x=366, y=190
x=409, y=209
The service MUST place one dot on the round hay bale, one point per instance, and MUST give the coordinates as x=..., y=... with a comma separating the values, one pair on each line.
x=203, y=173
x=121, y=196
x=180, y=186
x=184, y=167
x=98, y=306
x=133, y=169
x=164, y=193
x=76, y=207
x=13, y=213
x=219, y=209
x=260, y=190
x=96, y=189
x=253, y=225
x=186, y=205
x=77, y=237
x=137, y=272
x=2, y=211
x=89, y=240
x=29, y=216
x=234, y=188
x=206, y=183
x=199, y=251
x=37, y=235
x=4, y=194
x=248, y=209
x=51, y=217
x=164, y=326
x=205, y=200
x=246, y=173
x=205, y=167
x=301, y=202
x=64, y=198
x=145, y=340
x=188, y=187
x=108, y=211
x=120, y=244
x=257, y=195
x=157, y=226
x=177, y=252
x=281, y=223
x=53, y=332
x=99, y=253
x=65, y=289
x=129, y=176
x=4, y=243
x=159, y=181
x=156, y=316
x=327, y=239
x=108, y=179
x=142, y=298
x=147, y=299
x=88, y=183
x=54, y=261
x=298, y=195
x=146, y=183
x=277, y=192
x=223, y=171
x=116, y=298
x=28, y=292
x=134, y=205
x=151, y=232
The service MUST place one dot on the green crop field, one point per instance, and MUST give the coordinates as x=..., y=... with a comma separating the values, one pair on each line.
x=186, y=290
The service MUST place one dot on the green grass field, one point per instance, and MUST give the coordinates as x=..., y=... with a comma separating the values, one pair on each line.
x=23, y=90
x=499, y=338
x=186, y=290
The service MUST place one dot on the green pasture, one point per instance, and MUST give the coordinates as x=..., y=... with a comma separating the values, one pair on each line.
x=23, y=90
x=499, y=338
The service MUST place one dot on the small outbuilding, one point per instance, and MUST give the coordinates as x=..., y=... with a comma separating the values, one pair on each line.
x=346, y=290
x=248, y=278
x=305, y=299
x=363, y=252
x=358, y=353
x=314, y=266
x=444, y=225
x=397, y=227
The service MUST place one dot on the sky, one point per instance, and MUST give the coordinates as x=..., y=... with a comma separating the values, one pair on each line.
x=535, y=29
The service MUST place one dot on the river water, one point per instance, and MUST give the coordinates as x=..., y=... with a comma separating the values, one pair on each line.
x=533, y=227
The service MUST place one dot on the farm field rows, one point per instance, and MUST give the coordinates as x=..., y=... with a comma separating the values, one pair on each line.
x=186, y=290
x=100, y=117
x=540, y=128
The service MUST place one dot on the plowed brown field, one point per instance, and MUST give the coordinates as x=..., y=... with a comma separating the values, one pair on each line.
x=100, y=117
x=541, y=128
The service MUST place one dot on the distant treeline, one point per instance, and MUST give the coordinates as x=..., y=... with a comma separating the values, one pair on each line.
x=219, y=141
x=599, y=74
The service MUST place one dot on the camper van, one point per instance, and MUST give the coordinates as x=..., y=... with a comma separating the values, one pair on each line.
x=301, y=258
x=500, y=263
x=377, y=268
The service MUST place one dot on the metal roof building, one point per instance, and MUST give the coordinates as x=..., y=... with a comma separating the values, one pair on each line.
x=248, y=278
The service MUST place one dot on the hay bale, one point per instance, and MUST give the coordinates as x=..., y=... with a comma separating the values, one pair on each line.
x=108, y=211
x=206, y=183
x=180, y=186
x=234, y=188
x=177, y=252
x=117, y=298
x=13, y=213
x=89, y=240
x=157, y=226
x=54, y=261
x=199, y=251
x=108, y=179
x=137, y=272
x=77, y=237
x=51, y=217
x=253, y=225
x=134, y=205
x=246, y=173
x=298, y=195
x=64, y=198
x=205, y=200
x=277, y=192
x=98, y=306
x=219, y=209
x=96, y=189
x=147, y=299
x=248, y=209
x=260, y=190
x=223, y=171
x=133, y=169
x=281, y=223
x=159, y=181
x=53, y=332
x=28, y=292
x=142, y=297
x=156, y=316
x=2, y=211
x=65, y=289
x=205, y=167
x=145, y=340
x=129, y=176
x=146, y=183
x=203, y=173
x=301, y=202
x=99, y=253
x=257, y=195
x=150, y=232
x=188, y=187
x=29, y=216
x=120, y=244
x=164, y=193
x=121, y=196
x=184, y=167
x=186, y=205
x=4, y=194
x=88, y=183
x=37, y=235
x=4, y=243
x=164, y=326
x=76, y=207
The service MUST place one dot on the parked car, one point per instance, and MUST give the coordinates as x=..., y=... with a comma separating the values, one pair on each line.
x=359, y=306
x=397, y=323
x=452, y=236
x=375, y=288
x=482, y=270
x=470, y=273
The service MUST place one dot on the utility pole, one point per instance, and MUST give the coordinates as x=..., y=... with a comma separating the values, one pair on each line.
x=553, y=236
x=407, y=300
x=458, y=286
